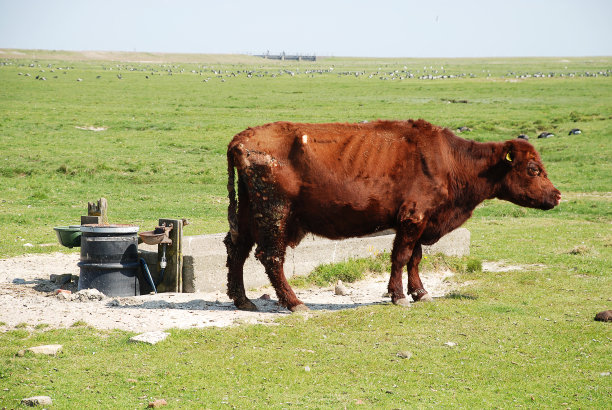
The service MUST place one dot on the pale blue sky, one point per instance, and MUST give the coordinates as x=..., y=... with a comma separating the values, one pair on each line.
x=390, y=28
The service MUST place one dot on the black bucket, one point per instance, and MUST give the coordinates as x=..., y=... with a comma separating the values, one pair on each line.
x=109, y=259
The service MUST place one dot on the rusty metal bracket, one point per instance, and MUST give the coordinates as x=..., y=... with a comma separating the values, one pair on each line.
x=159, y=236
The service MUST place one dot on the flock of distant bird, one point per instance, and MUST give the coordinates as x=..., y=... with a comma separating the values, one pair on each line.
x=428, y=73
x=573, y=131
x=434, y=74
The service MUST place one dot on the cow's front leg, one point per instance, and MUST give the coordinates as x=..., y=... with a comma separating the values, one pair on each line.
x=400, y=255
x=415, y=286
x=406, y=251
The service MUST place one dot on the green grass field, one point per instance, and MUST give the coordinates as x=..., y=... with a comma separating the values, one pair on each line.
x=523, y=338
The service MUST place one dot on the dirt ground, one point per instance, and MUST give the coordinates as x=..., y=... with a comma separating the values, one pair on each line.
x=28, y=296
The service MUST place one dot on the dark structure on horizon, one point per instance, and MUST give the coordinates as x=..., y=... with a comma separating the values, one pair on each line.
x=283, y=56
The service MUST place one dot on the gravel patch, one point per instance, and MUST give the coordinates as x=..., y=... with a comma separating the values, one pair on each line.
x=28, y=297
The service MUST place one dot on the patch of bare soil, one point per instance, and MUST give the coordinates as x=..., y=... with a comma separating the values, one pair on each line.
x=28, y=296
x=501, y=266
x=91, y=128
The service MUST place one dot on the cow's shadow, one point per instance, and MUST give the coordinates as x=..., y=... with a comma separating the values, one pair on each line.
x=263, y=306
x=342, y=306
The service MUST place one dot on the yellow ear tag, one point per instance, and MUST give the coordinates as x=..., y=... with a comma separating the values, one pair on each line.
x=508, y=157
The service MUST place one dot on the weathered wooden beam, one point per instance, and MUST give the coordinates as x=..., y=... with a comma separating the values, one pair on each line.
x=91, y=220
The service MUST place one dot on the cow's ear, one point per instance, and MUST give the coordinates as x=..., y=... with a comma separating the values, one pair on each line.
x=508, y=153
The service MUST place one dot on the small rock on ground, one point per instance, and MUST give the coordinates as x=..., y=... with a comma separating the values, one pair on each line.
x=150, y=337
x=61, y=279
x=50, y=350
x=404, y=354
x=605, y=316
x=157, y=403
x=37, y=401
x=340, y=289
x=85, y=295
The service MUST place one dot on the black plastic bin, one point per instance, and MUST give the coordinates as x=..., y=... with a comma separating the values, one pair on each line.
x=109, y=259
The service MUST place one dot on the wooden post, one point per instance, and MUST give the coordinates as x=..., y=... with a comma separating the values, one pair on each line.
x=173, y=275
x=100, y=209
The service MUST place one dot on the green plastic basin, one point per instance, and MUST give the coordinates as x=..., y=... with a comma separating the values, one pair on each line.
x=69, y=236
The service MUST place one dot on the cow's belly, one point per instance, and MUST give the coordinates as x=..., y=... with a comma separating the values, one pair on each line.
x=344, y=210
x=343, y=221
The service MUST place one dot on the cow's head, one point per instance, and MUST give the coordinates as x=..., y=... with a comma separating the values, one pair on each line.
x=525, y=181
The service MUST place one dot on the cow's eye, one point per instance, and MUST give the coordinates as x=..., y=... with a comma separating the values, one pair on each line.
x=533, y=171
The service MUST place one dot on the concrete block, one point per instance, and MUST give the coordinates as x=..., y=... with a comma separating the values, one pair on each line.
x=455, y=243
x=204, y=257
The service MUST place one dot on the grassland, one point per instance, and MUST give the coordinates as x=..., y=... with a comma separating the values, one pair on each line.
x=522, y=338
x=162, y=153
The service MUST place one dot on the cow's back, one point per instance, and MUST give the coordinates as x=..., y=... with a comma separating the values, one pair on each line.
x=345, y=151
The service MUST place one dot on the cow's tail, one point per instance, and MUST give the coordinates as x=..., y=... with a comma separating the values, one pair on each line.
x=232, y=212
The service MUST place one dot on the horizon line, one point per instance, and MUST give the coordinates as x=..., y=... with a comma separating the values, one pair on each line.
x=3, y=50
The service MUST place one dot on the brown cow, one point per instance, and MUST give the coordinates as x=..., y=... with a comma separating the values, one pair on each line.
x=345, y=180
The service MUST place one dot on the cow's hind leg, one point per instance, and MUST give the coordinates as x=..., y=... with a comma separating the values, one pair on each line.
x=271, y=237
x=270, y=212
x=238, y=245
x=237, y=254
x=273, y=260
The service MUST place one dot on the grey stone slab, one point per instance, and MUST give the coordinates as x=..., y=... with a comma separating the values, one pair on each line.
x=204, y=257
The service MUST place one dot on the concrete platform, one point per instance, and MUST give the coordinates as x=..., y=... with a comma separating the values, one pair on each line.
x=204, y=257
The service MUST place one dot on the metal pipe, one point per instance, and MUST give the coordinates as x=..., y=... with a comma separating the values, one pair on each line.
x=148, y=276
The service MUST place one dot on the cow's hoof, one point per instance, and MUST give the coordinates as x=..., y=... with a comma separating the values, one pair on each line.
x=246, y=305
x=402, y=302
x=422, y=297
x=299, y=308
x=426, y=298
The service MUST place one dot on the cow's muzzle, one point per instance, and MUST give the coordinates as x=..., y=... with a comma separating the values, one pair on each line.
x=553, y=200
